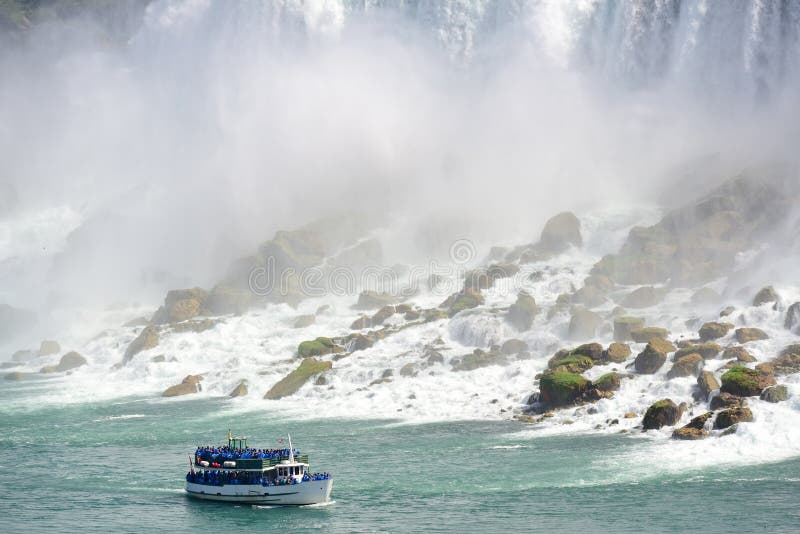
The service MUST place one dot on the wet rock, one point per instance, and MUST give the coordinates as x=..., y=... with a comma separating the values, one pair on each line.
x=321, y=381
x=647, y=334
x=608, y=382
x=370, y=300
x=522, y=312
x=195, y=326
x=180, y=305
x=792, y=321
x=513, y=346
x=224, y=300
x=662, y=413
x=695, y=429
x=138, y=321
x=361, y=323
x=738, y=353
x=643, y=297
x=557, y=388
x=190, y=384
x=572, y=362
x=69, y=361
x=708, y=350
x=649, y=360
x=560, y=232
x=289, y=384
x=433, y=357
x=788, y=361
x=732, y=416
x=714, y=330
x=23, y=356
x=745, y=335
x=777, y=393
x=479, y=358
x=591, y=350
x=381, y=315
x=16, y=376
x=765, y=295
x=356, y=342
x=408, y=370
x=662, y=345
x=623, y=326
x=325, y=308
x=707, y=382
x=744, y=382
x=589, y=296
x=463, y=300
x=617, y=353
x=727, y=311
x=318, y=347
x=303, y=321
x=584, y=324
x=240, y=390
x=147, y=339
x=726, y=400
x=688, y=365
x=48, y=347
x=158, y=359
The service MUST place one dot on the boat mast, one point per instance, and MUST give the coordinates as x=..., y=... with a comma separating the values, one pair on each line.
x=291, y=450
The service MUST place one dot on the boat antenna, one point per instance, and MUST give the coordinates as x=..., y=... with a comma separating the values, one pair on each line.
x=291, y=450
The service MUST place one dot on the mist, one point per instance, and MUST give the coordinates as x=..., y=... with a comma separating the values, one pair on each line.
x=149, y=153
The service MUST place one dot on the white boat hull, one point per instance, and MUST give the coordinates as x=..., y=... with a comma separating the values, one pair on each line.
x=310, y=492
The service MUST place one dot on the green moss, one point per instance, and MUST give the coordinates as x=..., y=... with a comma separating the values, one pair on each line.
x=561, y=388
x=742, y=381
x=574, y=363
x=465, y=301
x=608, y=382
x=318, y=347
x=295, y=380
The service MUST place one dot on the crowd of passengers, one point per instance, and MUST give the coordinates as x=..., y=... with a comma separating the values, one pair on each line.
x=221, y=478
x=222, y=454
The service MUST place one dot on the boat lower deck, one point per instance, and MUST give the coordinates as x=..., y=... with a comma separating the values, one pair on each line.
x=308, y=492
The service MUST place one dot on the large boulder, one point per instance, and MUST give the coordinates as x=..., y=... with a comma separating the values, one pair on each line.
x=303, y=321
x=240, y=390
x=289, y=384
x=522, y=312
x=792, y=321
x=745, y=335
x=318, y=347
x=695, y=429
x=370, y=300
x=584, y=324
x=650, y=359
x=745, y=382
x=570, y=362
x=714, y=330
x=736, y=352
x=147, y=339
x=788, y=361
x=688, y=365
x=708, y=350
x=49, y=347
x=608, y=382
x=776, y=393
x=648, y=333
x=726, y=400
x=731, y=416
x=643, y=297
x=765, y=295
x=190, y=384
x=707, y=382
x=69, y=361
x=463, y=300
x=560, y=388
x=662, y=413
x=560, y=232
x=623, y=326
x=513, y=346
x=225, y=299
x=617, y=352
x=180, y=305
x=478, y=359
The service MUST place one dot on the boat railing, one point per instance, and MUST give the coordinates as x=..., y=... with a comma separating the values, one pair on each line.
x=257, y=463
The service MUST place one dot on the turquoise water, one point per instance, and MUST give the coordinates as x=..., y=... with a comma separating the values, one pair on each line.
x=119, y=466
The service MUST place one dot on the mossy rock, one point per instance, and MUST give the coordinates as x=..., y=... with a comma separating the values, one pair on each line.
x=463, y=300
x=648, y=333
x=591, y=350
x=708, y=350
x=381, y=315
x=661, y=413
x=478, y=359
x=650, y=360
x=608, y=382
x=289, y=384
x=788, y=361
x=662, y=345
x=69, y=361
x=573, y=363
x=617, y=352
x=745, y=382
x=561, y=388
x=318, y=347
x=714, y=330
x=624, y=326
x=189, y=385
x=521, y=314
x=356, y=342
x=147, y=339
x=778, y=393
x=688, y=365
x=732, y=416
x=746, y=335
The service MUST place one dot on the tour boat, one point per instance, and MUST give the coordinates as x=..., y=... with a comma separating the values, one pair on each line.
x=240, y=474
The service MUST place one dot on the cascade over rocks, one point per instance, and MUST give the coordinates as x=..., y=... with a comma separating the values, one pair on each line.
x=792, y=321
x=695, y=429
x=745, y=382
x=650, y=359
x=240, y=390
x=738, y=353
x=224, y=300
x=788, y=361
x=726, y=400
x=584, y=324
x=69, y=361
x=705, y=296
x=318, y=347
x=190, y=384
x=707, y=382
x=369, y=300
x=147, y=339
x=463, y=300
x=289, y=384
x=608, y=382
x=745, y=335
x=731, y=416
x=774, y=394
x=662, y=413
x=559, y=233
x=765, y=295
x=688, y=365
x=303, y=321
